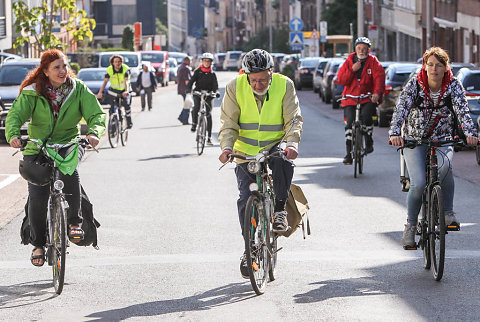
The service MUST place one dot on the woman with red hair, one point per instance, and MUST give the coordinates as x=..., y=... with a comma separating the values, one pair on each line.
x=55, y=101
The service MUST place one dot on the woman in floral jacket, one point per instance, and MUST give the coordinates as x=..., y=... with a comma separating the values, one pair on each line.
x=425, y=106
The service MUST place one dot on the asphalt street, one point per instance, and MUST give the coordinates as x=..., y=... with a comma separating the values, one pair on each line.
x=170, y=241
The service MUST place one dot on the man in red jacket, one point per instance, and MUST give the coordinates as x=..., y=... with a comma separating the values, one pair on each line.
x=361, y=73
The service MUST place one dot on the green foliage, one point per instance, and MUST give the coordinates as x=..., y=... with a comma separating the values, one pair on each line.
x=127, y=38
x=162, y=12
x=280, y=42
x=339, y=14
x=75, y=67
x=38, y=23
x=289, y=71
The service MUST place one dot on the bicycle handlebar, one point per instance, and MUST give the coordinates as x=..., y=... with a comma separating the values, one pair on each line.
x=359, y=97
x=265, y=156
x=80, y=140
x=411, y=144
x=207, y=93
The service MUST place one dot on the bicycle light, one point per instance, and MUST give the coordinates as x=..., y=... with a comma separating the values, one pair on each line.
x=253, y=187
x=253, y=167
x=58, y=185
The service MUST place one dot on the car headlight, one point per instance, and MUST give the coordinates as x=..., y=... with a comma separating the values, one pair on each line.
x=253, y=167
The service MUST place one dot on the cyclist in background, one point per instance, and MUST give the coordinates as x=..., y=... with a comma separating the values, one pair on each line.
x=55, y=101
x=258, y=108
x=428, y=105
x=361, y=73
x=204, y=79
x=119, y=75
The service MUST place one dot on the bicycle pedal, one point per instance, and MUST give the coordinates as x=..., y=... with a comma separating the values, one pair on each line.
x=278, y=249
x=454, y=227
x=410, y=247
x=255, y=266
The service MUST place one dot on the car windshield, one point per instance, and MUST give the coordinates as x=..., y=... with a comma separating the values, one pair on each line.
x=309, y=63
x=235, y=55
x=91, y=75
x=14, y=74
x=472, y=83
x=153, y=57
x=400, y=77
x=131, y=60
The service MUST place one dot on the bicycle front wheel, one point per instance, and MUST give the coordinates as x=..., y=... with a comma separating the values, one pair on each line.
x=272, y=244
x=255, y=229
x=123, y=131
x=58, y=242
x=201, y=134
x=113, y=130
x=436, y=227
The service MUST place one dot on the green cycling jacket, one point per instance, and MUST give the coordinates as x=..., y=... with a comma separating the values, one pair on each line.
x=81, y=102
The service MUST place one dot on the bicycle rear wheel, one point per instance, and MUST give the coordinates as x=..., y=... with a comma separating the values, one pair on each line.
x=272, y=244
x=58, y=243
x=201, y=134
x=255, y=230
x=123, y=130
x=357, y=150
x=437, y=232
x=113, y=130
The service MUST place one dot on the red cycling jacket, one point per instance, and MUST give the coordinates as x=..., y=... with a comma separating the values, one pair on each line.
x=372, y=80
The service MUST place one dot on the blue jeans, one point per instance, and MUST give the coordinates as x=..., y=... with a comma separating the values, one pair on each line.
x=415, y=160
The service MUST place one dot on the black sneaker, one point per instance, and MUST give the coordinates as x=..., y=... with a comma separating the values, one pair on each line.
x=129, y=125
x=244, y=266
x=280, y=222
x=209, y=141
x=194, y=128
x=369, y=148
x=348, y=159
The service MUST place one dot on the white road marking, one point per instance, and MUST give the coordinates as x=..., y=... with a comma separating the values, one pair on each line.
x=10, y=178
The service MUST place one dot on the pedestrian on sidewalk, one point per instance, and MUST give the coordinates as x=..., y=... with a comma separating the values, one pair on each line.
x=147, y=83
x=184, y=73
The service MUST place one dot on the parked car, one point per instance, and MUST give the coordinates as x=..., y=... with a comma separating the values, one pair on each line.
x=178, y=56
x=336, y=90
x=304, y=72
x=239, y=61
x=6, y=57
x=159, y=60
x=470, y=80
x=326, y=85
x=395, y=76
x=277, y=59
x=218, y=61
x=12, y=74
x=93, y=78
x=130, y=58
x=457, y=66
x=231, y=60
x=289, y=60
x=172, y=62
x=318, y=73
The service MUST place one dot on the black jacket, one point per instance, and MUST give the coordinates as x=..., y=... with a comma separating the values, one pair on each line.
x=203, y=81
x=152, y=79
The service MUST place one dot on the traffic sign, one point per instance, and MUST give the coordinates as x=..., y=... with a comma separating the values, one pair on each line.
x=296, y=47
x=296, y=24
x=296, y=38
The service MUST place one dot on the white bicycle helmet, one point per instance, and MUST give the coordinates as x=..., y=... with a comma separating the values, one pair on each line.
x=363, y=40
x=207, y=56
x=257, y=60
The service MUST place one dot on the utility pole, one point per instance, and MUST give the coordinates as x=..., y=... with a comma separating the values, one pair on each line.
x=360, y=19
x=429, y=24
x=234, y=40
x=270, y=25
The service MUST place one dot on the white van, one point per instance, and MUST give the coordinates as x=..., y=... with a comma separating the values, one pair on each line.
x=231, y=60
x=130, y=58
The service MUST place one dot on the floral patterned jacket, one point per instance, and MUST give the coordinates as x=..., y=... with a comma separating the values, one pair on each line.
x=410, y=109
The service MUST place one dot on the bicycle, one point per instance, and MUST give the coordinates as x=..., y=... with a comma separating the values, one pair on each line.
x=431, y=227
x=357, y=134
x=202, y=119
x=261, y=245
x=117, y=121
x=56, y=226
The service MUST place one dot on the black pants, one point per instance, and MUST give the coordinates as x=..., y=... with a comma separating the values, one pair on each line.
x=367, y=111
x=196, y=109
x=282, y=174
x=38, y=204
x=125, y=104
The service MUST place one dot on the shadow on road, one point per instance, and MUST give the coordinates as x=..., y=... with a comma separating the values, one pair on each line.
x=225, y=295
x=169, y=156
x=25, y=294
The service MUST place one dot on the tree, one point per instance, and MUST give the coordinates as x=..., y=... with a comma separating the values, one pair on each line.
x=339, y=14
x=127, y=38
x=280, y=43
x=38, y=22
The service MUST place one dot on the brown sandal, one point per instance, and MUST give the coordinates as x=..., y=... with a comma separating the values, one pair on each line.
x=35, y=257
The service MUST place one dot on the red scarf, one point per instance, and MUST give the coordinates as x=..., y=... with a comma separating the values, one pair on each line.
x=422, y=79
x=206, y=70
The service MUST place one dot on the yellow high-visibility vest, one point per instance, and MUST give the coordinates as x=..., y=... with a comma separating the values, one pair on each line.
x=260, y=129
x=117, y=80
